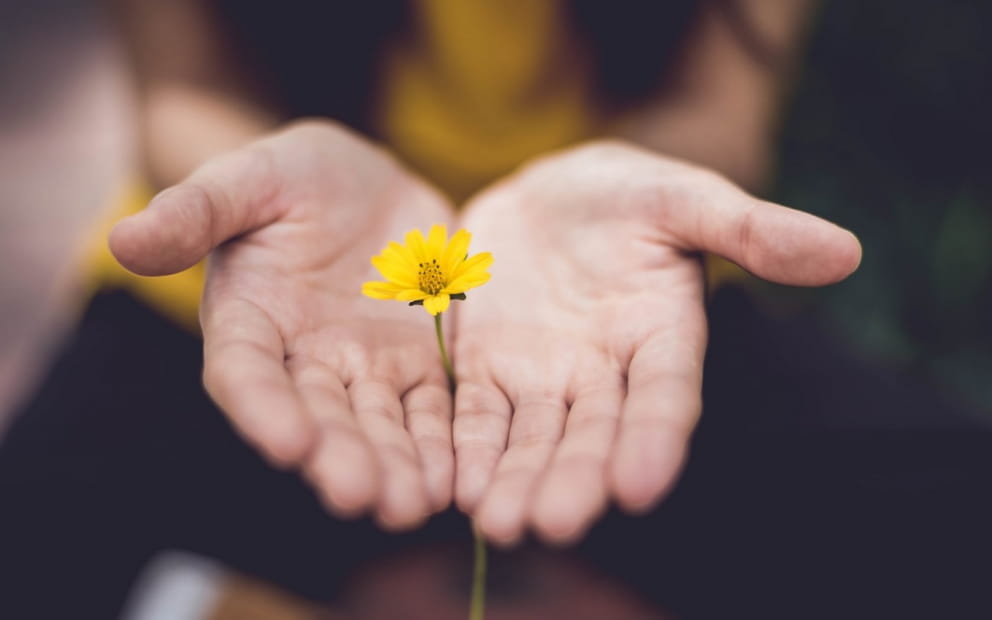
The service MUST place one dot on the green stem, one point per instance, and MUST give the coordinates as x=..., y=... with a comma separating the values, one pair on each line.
x=477, y=608
x=448, y=368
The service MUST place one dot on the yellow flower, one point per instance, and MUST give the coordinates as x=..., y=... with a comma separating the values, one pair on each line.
x=431, y=272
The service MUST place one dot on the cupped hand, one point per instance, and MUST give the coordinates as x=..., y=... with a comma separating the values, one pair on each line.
x=348, y=389
x=580, y=364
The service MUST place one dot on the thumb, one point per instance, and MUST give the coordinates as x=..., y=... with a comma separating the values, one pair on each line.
x=224, y=198
x=771, y=241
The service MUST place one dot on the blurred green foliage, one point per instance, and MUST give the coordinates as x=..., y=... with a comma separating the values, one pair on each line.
x=890, y=135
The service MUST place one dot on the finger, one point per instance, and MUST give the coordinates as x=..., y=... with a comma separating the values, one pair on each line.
x=428, y=420
x=661, y=409
x=771, y=241
x=479, y=431
x=536, y=428
x=243, y=372
x=403, y=502
x=574, y=492
x=342, y=467
x=226, y=197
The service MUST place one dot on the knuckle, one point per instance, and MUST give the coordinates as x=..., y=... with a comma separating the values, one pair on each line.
x=214, y=379
x=746, y=230
x=474, y=401
x=533, y=441
x=285, y=451
x=396, y=454
x=434, y=444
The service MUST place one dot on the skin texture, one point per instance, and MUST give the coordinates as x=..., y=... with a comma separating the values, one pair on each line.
x=349, y=390
x=579, y=364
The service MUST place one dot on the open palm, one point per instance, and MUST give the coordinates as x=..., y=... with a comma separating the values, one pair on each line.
x=580, y=365
x=348, y=389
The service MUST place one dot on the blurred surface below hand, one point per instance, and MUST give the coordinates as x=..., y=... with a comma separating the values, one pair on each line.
x=424, y=582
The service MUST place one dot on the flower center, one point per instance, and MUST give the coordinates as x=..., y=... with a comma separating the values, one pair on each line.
x=430, y=278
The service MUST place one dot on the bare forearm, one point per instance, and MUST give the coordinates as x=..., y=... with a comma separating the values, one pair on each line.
x=182, y=127
x=723, y=105
x=194, y=99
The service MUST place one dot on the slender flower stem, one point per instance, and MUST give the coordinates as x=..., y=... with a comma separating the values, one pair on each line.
x=477, y=606
x=448, y=368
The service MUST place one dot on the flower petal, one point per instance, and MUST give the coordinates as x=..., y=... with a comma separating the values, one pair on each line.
x=411, y=294
x=455, y=253
x=478, y=263
x=399, y=253
x=436, y=240
x=396, y=271
x=381, y=290
x=436, y=304
x=415, y=242
x=465, y=282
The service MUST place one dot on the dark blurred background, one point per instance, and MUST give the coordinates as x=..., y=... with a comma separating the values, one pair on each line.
x=887, y=134
x=890, y=135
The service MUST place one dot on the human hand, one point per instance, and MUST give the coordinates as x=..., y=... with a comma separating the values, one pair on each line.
x=580, y=364
x=316, y=376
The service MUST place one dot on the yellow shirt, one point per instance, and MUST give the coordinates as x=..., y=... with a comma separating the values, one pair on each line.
x=478, y=88
x=483, y=86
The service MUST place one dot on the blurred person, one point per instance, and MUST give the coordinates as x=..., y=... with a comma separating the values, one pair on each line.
x=598, y=150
